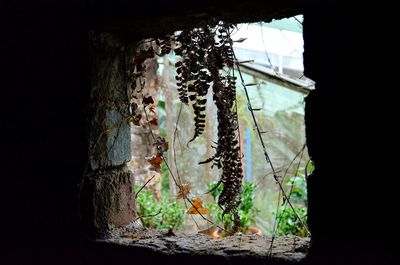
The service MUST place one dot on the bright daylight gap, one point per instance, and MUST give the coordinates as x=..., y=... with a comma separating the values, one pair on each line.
x=271, y=63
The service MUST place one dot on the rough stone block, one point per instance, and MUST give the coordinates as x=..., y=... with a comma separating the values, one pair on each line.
x=109, y=124
x=108, y=202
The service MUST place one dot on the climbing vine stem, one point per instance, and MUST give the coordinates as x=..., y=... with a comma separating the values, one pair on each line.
x=267, y=157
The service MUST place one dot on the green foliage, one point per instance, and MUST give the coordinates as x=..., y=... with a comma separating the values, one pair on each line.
x=171, y=214
x=161, y=104
x=298, y=187
x=160, y=214
x=162, y=118
x=247, y=210
x=288, y=222
x=164, y=178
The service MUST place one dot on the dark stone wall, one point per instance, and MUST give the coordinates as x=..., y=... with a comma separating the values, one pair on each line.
x=106, y=196
x=351, y=136
x=350, y=118
x=44, y=98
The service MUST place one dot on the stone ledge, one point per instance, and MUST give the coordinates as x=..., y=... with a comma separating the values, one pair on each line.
x=201, y=249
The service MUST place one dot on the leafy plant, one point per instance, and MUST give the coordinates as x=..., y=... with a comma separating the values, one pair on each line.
x=162, y=214
x=164, y=178
x=247, y=210
x=298, y=189
x=288, y=222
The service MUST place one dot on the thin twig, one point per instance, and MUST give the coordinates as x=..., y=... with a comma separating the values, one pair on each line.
x=107, y=130
x=169, y=168
x=282, y=191
x=275, y=225
x=147, y=182
x=301, y=23
x=174, y=140
x=291, y=205
x=146, y=216
x=252, y=113
x=262, y=141
x=277, y=218
x=292, y=162
x=265, y=50
x=175, y=162
x=158, y=148
x=237, y=119
x=297, y=170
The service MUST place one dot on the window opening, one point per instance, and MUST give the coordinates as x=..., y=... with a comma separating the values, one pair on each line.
x=174, y=191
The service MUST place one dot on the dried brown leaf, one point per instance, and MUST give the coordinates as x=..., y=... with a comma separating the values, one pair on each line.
x=135, y=235
x=197, y=207
x=136, y=119
x=147, y=100
x=155, y=161
x=151, y=109
x=213, y=232
x=153, y=122
x=183, y=191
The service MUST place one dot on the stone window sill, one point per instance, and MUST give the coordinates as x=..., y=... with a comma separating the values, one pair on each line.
x=192, y=249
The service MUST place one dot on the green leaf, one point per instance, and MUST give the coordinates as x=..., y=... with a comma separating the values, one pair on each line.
x=161, y=104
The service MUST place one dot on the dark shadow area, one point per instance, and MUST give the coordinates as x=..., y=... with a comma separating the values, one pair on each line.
x=350, y=132
x=350, y=121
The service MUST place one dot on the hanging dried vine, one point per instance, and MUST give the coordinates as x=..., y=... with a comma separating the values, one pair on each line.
x=193, y=79
x=136, y=78
x=205, y=52
x=206, y=61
